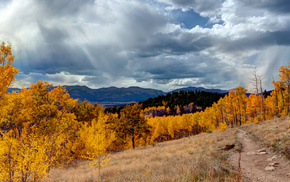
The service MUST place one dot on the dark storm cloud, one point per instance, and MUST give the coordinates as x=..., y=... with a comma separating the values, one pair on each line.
x=78, y=62
x=81, y=37
x=53, y=35
x=198, y=5
x=186, y=70
x=57, y=8
x=276, y=6
x=253, y=41
x=122, y=43
x=175, y=43
x=282, y=37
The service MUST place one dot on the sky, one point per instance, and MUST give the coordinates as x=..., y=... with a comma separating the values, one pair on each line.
x=160, y=44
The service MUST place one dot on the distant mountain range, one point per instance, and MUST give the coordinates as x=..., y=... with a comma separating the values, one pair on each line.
x=112, y=96
x=200, y=89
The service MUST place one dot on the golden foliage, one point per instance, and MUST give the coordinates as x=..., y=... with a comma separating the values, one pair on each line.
x=7, y=70
x=94, y=140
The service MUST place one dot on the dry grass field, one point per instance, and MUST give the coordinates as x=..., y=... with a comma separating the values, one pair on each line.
x=195, y=158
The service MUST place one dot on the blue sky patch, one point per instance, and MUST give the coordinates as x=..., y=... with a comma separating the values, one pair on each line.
x=189, y=19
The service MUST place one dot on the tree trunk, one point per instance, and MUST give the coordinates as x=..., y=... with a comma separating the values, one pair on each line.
x=240, y=116
x=245, y=111
x=133, y=138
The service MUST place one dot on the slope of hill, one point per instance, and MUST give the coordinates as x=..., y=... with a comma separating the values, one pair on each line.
x=203, y=157
x=183, y=98
x=196, y=158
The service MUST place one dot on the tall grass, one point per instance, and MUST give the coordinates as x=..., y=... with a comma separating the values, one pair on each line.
x=195, y=158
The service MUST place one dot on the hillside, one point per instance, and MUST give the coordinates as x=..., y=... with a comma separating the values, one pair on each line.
x=195, y=158
x=183, y=98
x=189, y=159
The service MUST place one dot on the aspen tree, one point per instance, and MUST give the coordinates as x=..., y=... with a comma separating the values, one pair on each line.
x=39, y=122
x=284, y=76
x=94, y=141
x=241, y=102
x=7, y=70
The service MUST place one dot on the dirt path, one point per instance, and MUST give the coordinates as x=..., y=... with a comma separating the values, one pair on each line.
x=259, y=164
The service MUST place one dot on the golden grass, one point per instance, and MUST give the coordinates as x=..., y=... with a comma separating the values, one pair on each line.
x=273, y=133
x=195, y=158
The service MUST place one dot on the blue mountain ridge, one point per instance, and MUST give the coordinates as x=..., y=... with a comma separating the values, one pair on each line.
x=112, y=96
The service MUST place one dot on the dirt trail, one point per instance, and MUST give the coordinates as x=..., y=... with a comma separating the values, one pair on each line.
x=255, y=161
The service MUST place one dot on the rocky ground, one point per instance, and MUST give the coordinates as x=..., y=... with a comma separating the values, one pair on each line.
x=258, y=163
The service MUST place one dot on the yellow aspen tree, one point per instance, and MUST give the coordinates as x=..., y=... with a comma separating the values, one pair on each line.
x=232, y=109
x=177, y=110
x=86, y=112
x=209, y=118
x=252, y=107
x=95, y=140
x=227, y=110
x=192, y=123
x=241, y=103
x=32, y=158
x=168, y=110
x=7, y=70
x=187, y=123
x=271, y=108
x=50, y=115
x=171, y=124
x=276, y=94
x=220, y=111
x=284, y=76
x=26, y=158
x=259, y=104
x=280, y=96
x=179, y=126
x=39, y=113
x=154, y=124
x=203, y=120
x=8, y=157
x=214, y=117
x=223, y=126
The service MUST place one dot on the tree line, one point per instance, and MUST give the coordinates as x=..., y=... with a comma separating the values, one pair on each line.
x=176, y=103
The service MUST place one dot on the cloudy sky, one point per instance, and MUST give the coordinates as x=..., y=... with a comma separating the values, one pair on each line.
x=162, y=44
